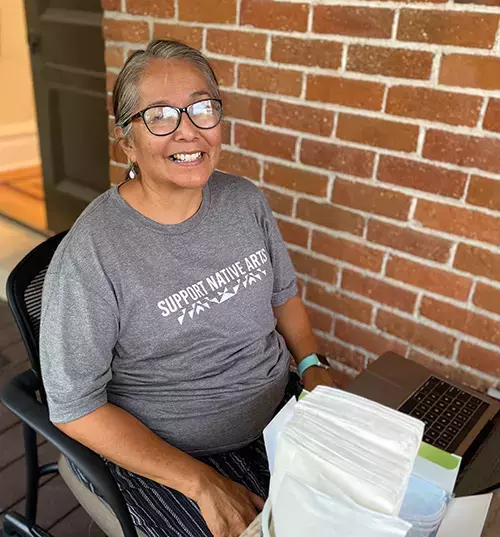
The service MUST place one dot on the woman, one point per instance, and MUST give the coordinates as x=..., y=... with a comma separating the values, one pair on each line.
x=166, y=310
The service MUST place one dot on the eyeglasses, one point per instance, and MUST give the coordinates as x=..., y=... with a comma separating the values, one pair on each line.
x=164, y=120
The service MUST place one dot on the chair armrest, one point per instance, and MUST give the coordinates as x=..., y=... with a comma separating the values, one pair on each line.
x=19, y=396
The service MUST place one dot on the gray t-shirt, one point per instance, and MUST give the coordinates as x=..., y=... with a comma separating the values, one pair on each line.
x=172, y=323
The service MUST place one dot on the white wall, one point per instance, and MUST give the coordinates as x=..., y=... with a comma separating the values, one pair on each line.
x=18, y=134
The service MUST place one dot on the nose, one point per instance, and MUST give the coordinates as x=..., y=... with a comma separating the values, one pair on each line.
x=186, y=130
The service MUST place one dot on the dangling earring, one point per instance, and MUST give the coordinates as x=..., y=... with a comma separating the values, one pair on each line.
x=131, y=173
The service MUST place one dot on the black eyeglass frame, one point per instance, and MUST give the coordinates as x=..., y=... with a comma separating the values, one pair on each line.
x=180, y=112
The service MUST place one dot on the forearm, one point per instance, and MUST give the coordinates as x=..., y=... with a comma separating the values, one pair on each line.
x=119, y=437
x=293, y=324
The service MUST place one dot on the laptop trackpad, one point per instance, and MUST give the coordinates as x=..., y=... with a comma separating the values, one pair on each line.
x=378, y=389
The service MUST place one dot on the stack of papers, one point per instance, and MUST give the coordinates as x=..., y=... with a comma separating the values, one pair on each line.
x=342, y=466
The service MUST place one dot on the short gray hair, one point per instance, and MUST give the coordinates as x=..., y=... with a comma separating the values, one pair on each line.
x=125, y=94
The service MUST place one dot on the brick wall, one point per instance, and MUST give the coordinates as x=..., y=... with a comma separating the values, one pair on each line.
x=374, y=129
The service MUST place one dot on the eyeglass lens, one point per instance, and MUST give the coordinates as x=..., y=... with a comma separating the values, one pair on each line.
x=162, y=120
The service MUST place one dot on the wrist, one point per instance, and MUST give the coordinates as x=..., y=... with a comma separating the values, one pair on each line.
x=195, y=480
x=306, y=363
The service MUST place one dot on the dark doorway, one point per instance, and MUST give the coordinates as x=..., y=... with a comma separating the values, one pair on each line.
x=69, y=77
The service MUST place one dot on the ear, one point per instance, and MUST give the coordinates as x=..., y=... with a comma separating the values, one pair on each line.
x=126, y=143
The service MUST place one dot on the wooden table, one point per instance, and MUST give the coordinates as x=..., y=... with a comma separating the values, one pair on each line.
x=491, y=527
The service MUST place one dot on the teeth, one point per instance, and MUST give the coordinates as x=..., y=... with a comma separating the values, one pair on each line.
x=185, y=157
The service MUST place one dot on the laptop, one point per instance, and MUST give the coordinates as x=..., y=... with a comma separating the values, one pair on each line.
x=454, y=415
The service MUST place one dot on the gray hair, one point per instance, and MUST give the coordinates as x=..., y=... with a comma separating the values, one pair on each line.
x=125, y=94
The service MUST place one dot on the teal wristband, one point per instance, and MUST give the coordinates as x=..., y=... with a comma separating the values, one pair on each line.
x=307, y=362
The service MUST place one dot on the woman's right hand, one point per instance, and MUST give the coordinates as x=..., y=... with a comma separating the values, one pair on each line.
x=227, y=507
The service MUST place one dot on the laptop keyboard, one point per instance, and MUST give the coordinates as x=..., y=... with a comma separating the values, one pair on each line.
x=448, y=412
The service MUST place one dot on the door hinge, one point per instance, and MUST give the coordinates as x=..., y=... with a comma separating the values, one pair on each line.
x=34, y=43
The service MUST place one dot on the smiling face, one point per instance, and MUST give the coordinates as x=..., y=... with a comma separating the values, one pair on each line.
x=174, y=83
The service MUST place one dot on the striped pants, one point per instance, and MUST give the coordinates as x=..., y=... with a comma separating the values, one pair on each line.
x=163, y=512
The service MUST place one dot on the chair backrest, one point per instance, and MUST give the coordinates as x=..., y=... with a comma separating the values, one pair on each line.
x=24, y=294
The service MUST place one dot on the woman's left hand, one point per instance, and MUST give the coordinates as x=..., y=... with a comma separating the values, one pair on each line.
x=315, y=376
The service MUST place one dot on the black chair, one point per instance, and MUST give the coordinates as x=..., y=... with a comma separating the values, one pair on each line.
x=25, y=397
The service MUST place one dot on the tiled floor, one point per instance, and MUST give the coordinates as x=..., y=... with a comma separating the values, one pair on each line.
x=58, y=510
x=15, y=242
x=22, y=197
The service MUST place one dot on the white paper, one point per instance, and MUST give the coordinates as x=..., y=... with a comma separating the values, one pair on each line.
x=274, y=428
x=465, y=517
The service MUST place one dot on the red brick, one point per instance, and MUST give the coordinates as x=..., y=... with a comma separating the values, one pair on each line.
x=114, y=56
x=487, y=297
x=110, y=80
x=239, y=165
x=319, y=320
x=293, y=233
x=242, y=106
x=117, y=174
x=433, y=279
x=478, y=261
x=340, y=353
x=368, y=339
x=378, y=290
x=163, y=9
x=310, y=52
x=470, y=71
x=295, y=179
x=420, y=176
x=492, y=118
x=189, y=35
x=399, y=63
x=339, y=303
x=351, y=252
x=371, y=199
x=444, y=313
x=459, y=221
x=344, y=91
x=479, y=2
x=224, y=71
x=448, y=28
x=353, y=21
x=299, y=118
x=415, y=333
x=449, y=370
x=408, y=240
x=245, y=44
x=480, y=358
x=111, y=5
x=223, y=11
x=280, y=203
x=484, y=192
x=320, y=270
x=265, y=142
x=462, y=320
x=378, y=132
x=301, y=285
x=341, y=378
x=337, y=158
x=270, y=80
x=111, y=126
x=120, y=30
x=419, y=1
x=109, y=104
x=464, y=150
x=274, y=15
x=324, y=214
x=226, y=131
x=434, y=105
